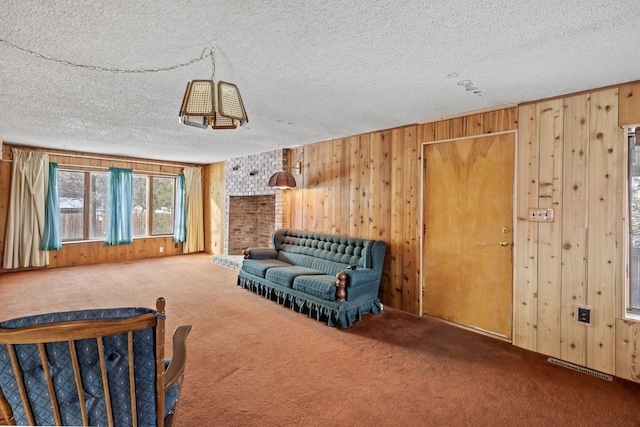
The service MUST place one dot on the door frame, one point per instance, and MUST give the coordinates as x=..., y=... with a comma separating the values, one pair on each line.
x=514, y=222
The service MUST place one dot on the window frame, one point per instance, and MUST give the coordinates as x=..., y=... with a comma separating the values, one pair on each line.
x=629, y=311
x=149, y=176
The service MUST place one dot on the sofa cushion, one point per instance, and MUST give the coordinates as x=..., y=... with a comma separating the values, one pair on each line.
x=258, y=267
x=322, y=286
x=285, y=275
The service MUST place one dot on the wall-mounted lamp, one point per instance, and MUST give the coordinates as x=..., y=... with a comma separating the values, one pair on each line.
x=284, y=179
x=298, y=167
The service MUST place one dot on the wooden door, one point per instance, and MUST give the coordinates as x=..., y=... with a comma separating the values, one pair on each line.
x=468, y=229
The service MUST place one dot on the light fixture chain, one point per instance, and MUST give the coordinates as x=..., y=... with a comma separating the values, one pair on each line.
x=212, y=53
x=205, y=53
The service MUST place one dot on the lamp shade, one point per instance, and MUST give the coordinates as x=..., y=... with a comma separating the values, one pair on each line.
x=282, y=180
x=216, y=104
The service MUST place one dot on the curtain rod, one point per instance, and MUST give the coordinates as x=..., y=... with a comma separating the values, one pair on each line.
x=83, y=168
x=143, y=162
x=92, y=157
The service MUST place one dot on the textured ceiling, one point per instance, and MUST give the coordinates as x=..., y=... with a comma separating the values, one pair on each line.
x=307, y=71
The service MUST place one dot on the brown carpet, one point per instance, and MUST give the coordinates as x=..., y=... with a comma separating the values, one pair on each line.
x=253, y=362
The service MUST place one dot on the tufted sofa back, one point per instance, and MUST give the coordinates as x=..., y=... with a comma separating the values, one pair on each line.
x=330, y=252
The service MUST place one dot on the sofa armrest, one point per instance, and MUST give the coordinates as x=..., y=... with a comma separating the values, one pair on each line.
x=353, y=279
x=260, y=253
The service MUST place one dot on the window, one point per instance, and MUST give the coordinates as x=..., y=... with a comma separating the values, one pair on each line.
x=634, y=221
x=91, y=190
x=139, y=219
x=71, y=198
x=163, y=204
x=99, y=199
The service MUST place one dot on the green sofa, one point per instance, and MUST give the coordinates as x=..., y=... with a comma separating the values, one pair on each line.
x=332, y=278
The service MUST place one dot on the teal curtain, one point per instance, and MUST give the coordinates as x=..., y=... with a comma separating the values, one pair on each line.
x=119, y=230
x=180, y=224
x=51, y=238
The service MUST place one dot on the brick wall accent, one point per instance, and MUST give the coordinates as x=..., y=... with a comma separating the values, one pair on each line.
x=247, y=178
x=252, y=221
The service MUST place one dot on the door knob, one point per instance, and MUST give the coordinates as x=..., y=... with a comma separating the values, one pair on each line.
x=504, y=243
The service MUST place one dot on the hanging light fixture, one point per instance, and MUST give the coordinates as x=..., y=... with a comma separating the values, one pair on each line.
x=210, y=103
x=284, y=179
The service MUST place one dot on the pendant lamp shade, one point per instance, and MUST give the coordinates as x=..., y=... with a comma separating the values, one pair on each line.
x=282, y=180
x=216, y=104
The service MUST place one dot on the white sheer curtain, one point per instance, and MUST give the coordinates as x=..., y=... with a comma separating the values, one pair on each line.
x=194, y=210
x=25, y=221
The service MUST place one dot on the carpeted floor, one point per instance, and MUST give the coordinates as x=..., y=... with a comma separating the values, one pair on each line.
x=252, y=362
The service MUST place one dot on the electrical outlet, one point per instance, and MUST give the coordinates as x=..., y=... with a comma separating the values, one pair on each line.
x=161, y=249
x=584, y=315
x=540, y=214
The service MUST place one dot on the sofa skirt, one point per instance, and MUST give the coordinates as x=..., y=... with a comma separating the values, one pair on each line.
x=337, y=314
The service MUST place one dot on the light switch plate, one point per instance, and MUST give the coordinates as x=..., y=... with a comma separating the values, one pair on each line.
x=540, y=214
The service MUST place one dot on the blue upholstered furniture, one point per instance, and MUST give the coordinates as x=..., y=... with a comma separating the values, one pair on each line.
x=332, y=278
x=103, y=367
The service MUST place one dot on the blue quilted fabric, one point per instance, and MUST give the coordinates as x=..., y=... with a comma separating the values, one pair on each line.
x=323, y=286
x=259, y=267
x=338, y=249
x=284, y=275
x=59, y=365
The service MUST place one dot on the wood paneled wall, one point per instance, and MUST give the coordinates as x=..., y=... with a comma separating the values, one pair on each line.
x=629, y=103
x=369, y=186
x=82, y=253
x=571, y=157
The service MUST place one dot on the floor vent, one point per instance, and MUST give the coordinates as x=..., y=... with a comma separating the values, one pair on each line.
x=581, y=369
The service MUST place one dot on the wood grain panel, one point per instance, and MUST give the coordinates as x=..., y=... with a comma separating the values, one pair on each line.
x=396, y=242
x=315, y=216
x=375, y=223
x=297, y=199
x=380, y=195
x=474, y=125
x=364, y=182
x=354, y=185
x=411, y=224
x=500, y=120
x=550, y=233
x=629, y=105
x=574, y=227
x=327, y=187
x=334, y=201
x=604, y=250
x=628, y=350
x=525, y=320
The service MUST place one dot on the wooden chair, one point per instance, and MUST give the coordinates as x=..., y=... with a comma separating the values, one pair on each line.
x=104, y=367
